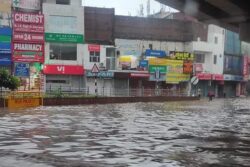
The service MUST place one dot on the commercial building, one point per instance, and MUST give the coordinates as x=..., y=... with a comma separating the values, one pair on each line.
x=64, y=50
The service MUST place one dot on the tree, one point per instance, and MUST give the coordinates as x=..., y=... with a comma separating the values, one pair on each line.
x=8, y=81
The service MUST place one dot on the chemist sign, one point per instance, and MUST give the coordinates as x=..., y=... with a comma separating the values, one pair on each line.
x=22, y=69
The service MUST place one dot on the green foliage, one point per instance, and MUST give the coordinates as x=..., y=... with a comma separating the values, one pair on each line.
x=8, y=81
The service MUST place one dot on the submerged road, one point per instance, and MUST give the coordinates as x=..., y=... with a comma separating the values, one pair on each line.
x=172, y=134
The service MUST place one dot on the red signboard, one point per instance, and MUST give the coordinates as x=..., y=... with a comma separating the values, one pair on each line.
x=18, y=27
x=245, y=65
x=218, y=77
x=139, y=75
x=28, y=18
x=31, y=47
x=94, y=48
x=204, y=76
x=63, y=70
x=198, y=68
x=28, y=37
x=187, y=67
x=28, y=57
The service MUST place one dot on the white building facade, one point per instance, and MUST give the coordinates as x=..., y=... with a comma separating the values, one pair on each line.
x=64, y=49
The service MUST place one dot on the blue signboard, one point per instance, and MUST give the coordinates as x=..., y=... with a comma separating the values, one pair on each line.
x=101, y=74
x=228, y=77
x=5, y=59
x=5, y=48
x=144, y=63
x=155, y=53
x=5, y=31
x=22, y=69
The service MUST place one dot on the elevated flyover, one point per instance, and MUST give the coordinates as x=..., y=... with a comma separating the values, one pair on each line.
x=231, y=14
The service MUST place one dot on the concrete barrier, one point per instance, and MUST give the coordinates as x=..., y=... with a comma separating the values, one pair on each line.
x=108, y=100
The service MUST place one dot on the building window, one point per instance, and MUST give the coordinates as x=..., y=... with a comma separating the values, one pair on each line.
x=63, y=2
x=94, y=56
x=63, y=51
x=215, y=59
x=110, y=59
x=215, y=40
x=150, y=46
x=199, y=58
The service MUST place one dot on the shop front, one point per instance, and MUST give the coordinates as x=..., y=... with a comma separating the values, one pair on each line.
x=105, y=82
x=234, y=85
x=64, y=77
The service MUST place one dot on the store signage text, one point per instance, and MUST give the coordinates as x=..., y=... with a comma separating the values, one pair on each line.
x=101, y=74
x=155, y=53
x=19, y=27
x=153, y=68
x=27, y=37
x=67, y=38
x=94, y=48
x=181, y=55
x=28, y=47
x=26, y=56
x=28, y=18
x=22, y=69
x=63, y=70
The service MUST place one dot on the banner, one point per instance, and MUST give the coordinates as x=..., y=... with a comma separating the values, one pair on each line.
x=27, y=4
x=67, y=38
x=158, y=61
x=28, y=37
x=5, y=13
x=174, y=78
x=181, y=55
x=187, y=67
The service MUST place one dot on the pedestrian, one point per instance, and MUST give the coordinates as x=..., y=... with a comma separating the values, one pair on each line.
x=199, y=92
x=210, y=95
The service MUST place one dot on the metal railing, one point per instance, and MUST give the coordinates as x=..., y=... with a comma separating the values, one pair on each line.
x=67, y=91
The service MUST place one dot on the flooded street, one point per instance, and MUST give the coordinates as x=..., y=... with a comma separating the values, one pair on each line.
x=198, y=133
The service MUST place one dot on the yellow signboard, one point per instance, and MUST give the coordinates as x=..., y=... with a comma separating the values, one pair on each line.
x=175, y=78
x=24, y=102
x=5, y=6
x=158, y=61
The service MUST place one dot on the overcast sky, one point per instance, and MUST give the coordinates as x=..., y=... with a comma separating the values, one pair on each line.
x=126, y=7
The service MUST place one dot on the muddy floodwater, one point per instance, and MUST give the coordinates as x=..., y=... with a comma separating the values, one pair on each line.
x=198, y=133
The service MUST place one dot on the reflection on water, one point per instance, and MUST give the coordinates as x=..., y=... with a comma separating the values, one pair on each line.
x=199, y=133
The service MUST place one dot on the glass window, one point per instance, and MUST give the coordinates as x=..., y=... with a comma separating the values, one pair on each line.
x=94, y=56
x=199, y=58
x=67, y=24
x=63, y=2
x=63, y=51
x=215, y=59
x=215, y=40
